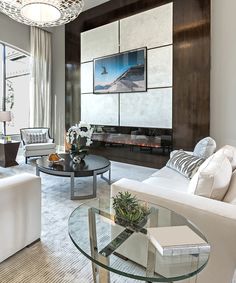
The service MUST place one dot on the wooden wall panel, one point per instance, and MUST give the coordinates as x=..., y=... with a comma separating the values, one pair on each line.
x=191, y=74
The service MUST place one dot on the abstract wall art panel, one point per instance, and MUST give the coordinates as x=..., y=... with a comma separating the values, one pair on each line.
x=152, y=109
x=100, y=109
x=159, y=62
x=152, y=28
x=94, y=42
x=87, y=77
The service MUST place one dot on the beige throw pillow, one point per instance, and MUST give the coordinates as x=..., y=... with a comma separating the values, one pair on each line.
x=213, y=177
x=230, y=196
x=230, y=152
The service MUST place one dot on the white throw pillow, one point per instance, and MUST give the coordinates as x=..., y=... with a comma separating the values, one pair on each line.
x=230, y=152
x=230, y=196
x=213, y=177
x=205, y=148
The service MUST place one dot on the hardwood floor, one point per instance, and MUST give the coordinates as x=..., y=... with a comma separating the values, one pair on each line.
x=138, y=156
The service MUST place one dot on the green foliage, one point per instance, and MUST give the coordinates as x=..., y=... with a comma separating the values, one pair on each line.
x=128, y=208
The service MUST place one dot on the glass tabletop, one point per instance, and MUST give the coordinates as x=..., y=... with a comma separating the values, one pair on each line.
x=94, y=230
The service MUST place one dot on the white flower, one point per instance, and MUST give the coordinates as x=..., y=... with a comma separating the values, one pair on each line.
x=89, y=142
x=83, y=134
x=81, y=130
x=84, y=125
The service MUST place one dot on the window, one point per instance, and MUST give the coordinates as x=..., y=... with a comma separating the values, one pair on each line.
x=14, y=87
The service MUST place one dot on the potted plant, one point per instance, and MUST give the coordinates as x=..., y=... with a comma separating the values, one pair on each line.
x=129, y=211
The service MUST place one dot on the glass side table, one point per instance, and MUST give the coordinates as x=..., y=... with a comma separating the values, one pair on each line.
x=93, y=230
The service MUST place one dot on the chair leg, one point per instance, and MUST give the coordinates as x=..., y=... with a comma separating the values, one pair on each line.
x=25, y=160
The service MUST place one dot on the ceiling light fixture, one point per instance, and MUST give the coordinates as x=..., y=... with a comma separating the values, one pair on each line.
x=42, y=13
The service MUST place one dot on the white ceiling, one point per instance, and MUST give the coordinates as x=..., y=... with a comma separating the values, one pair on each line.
x=88, y=4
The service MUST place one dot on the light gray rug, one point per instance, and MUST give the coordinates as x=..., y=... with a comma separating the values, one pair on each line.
x=55, y=259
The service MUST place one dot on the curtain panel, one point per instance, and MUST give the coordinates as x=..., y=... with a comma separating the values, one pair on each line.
x=41, y=73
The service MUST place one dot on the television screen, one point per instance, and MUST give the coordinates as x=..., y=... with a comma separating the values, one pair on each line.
x=123, y=72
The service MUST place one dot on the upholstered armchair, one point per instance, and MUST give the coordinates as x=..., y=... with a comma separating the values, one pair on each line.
x=37, y=142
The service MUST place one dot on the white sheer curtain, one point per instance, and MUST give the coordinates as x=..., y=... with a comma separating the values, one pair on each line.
x=40, y=83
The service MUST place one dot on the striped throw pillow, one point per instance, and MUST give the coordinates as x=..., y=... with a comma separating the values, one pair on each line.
x=185, y=163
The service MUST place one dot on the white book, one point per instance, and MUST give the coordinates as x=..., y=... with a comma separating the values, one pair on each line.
x=177, y=240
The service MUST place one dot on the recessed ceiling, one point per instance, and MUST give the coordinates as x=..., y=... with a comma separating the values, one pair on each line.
x=88, y=4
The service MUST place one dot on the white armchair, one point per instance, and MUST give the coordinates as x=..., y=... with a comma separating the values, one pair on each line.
x=37, y=142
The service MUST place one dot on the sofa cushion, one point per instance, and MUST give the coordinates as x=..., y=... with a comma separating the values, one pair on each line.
x=213, y=177
x=230, y=152
x=186, y=164
x=168, y=178
x=230, y=196
x=205, y=148
x=39, y=146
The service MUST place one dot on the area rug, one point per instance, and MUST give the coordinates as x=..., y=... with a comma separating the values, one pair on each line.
x=55, y=259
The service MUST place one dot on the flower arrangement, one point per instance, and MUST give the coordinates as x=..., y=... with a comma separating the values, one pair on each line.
x=79, y=137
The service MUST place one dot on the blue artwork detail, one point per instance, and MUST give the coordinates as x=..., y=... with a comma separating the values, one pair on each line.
x=124, y=72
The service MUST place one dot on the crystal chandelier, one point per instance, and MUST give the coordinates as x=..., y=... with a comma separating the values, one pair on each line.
x=42, y=13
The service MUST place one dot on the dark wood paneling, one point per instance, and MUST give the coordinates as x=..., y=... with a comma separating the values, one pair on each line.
x=191, y=73
x=136, y=157
x=191, y=63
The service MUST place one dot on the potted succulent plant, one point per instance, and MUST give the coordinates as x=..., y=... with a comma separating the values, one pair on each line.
x=129, y=211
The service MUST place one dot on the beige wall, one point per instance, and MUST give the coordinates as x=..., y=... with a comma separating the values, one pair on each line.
x=14, y=33
x=223, y=72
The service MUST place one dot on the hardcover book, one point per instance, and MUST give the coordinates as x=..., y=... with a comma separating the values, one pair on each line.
x=177, y=240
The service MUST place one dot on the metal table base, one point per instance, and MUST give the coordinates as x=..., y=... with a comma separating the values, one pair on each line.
x=72, y=176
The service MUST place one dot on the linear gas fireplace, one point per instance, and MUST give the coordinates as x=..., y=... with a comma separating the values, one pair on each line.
x=142, y=146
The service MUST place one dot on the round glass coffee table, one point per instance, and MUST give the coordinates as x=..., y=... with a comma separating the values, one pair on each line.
x=93, y=230
x=92, y=165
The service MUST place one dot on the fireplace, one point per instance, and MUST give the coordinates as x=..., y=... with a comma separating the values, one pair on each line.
x=141, y=146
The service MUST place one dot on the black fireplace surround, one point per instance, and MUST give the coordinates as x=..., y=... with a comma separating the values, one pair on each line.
x=135, y=145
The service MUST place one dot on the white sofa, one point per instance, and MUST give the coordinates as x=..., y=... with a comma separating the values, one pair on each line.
x=216, y=219
x=37, y=142
x=20, y=213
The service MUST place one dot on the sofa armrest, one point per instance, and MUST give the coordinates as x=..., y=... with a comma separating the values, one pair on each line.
x=20, y=213
x=175, y=198
x=20, y=182
x=216, y=220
